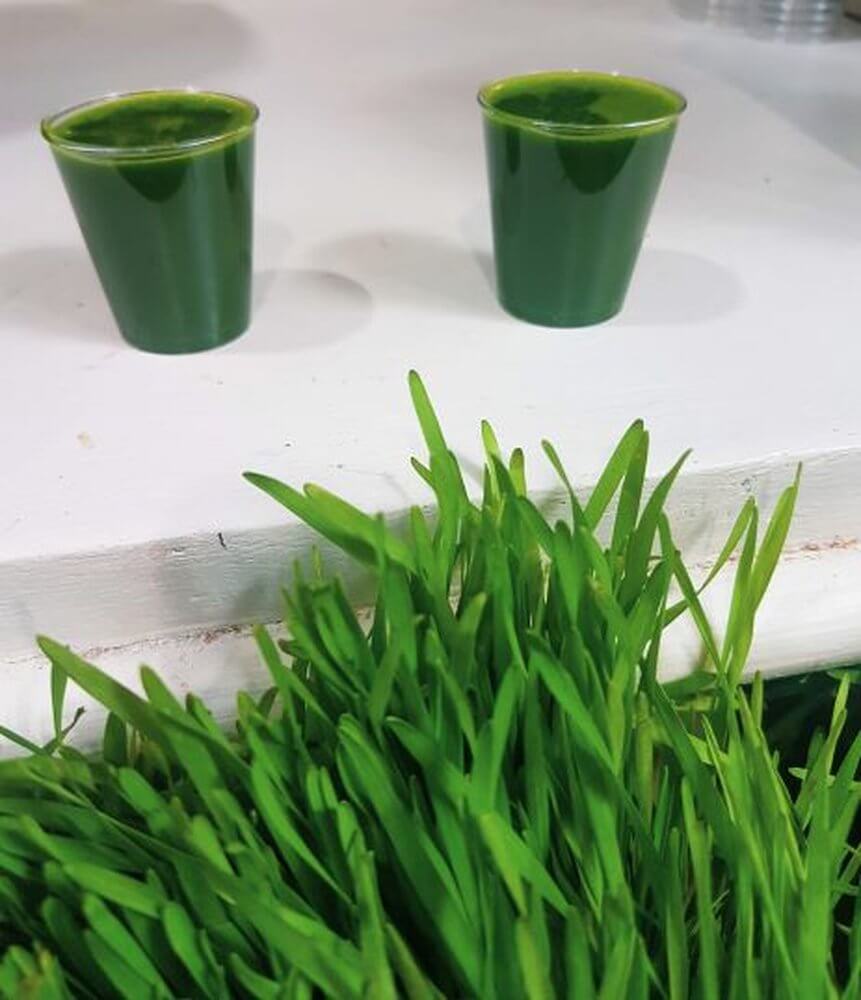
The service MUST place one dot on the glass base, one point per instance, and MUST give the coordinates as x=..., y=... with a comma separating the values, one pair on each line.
x=191, y=345
x=561, y=321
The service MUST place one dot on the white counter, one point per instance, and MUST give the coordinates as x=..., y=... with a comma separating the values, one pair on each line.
x=123, y=516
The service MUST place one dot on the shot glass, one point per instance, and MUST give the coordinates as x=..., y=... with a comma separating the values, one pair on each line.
x=574, y=163
x=162, y=186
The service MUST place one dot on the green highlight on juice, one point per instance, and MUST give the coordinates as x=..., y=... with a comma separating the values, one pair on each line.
x=162, y=186
x=574, y=163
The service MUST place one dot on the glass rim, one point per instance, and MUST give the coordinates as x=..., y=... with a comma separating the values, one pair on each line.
x=545, y=125
x=49, y=123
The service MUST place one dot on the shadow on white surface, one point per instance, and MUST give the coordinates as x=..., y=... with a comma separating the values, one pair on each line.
x=476, y=230
x=54, y=290
x=56, y=54
x=831, y=119
x=272, y=238
x=484, y=259
x=301, y=309
x=789, y=74
x=673, y=287
x=421, y=270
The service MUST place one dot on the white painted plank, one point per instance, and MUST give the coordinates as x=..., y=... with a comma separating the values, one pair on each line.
x=740, y=336
x=811, y=617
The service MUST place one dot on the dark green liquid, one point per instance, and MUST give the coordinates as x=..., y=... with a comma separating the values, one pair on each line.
x=571, y=192
x=162, y=187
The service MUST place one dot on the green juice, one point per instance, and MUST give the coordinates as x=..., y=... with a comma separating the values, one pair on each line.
x=162, y=186
x=574, y=163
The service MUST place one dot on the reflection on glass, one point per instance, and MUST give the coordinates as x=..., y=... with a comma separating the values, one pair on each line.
x=792, y=19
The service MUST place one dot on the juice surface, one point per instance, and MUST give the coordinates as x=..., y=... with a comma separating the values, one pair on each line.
x=579, y=98
x=160, y=121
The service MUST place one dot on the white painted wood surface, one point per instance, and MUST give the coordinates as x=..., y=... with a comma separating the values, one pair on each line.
x=123, y=517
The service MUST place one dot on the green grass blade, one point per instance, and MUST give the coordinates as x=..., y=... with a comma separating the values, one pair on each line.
x=613, y=473
x=536, y=981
